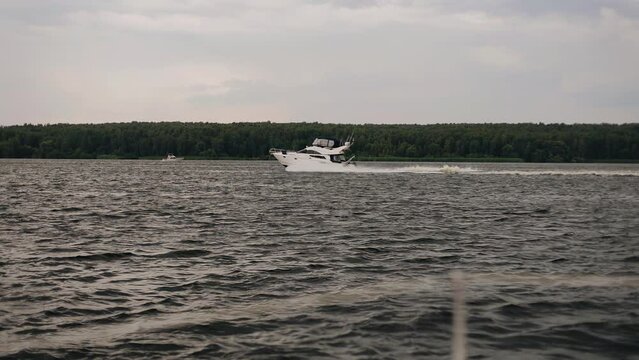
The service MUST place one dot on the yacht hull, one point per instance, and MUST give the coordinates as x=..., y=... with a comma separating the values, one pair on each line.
x=305, y=162
x=322, y=155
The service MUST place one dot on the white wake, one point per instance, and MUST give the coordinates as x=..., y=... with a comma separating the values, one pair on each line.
x=416, y=169
x=463, y=169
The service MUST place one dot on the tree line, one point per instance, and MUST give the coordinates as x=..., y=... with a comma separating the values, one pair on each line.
x=515, y=142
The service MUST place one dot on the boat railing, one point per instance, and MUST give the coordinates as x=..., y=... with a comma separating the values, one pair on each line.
x=276, y=150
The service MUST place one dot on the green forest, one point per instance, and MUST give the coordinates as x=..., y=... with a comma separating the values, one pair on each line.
x=450, y=142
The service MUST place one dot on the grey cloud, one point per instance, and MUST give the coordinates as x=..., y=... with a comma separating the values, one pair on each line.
x=355, y=61
x=589, y=8
x=351, y=4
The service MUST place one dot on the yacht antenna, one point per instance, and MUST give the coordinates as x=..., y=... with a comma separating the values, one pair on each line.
x=349, y=139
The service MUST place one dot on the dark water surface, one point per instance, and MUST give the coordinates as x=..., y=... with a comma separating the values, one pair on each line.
x=244, y=260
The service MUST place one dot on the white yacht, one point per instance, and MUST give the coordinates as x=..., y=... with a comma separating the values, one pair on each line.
x=322, y=154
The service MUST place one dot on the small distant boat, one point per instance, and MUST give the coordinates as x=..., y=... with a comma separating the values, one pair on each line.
x=171, y=157
x=323, y=154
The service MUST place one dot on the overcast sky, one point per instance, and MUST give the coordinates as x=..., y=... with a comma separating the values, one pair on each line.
x=352, y=61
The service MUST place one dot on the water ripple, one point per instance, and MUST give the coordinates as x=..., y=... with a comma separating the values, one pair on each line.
x=131, y=259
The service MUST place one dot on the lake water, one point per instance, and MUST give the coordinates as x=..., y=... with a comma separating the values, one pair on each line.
x=245, y=260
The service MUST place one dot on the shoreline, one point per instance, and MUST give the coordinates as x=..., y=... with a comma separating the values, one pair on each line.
x=362, y=159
